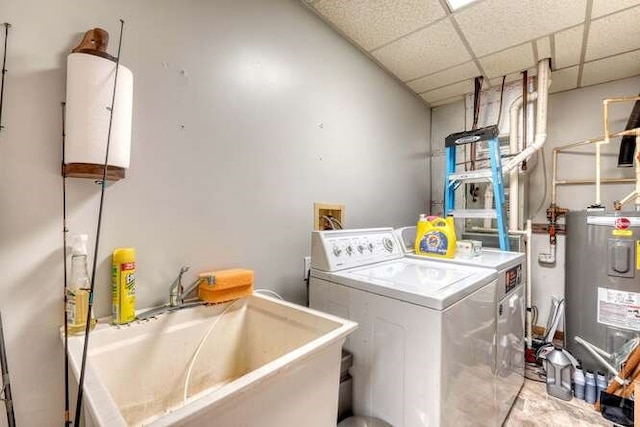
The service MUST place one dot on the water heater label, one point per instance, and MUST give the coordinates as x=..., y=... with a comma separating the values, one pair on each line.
x=619, y=308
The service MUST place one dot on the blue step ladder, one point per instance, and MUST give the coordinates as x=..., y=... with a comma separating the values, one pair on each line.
x=454, y=179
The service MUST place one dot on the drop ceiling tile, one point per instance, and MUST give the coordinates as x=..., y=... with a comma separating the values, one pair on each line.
x=613, y=34
x=374, y=23
x=604, y=7
x=450, y=91
x=544, y=48
x=564, y=79
x=467, y=70
x=424, y=52
x=497, y=82
x=613, y=68
x=446, y=101
x=568, y=47
x=494, y=25
x=510, y=60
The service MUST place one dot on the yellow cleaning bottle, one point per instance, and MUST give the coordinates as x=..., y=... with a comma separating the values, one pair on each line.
x=123, y=286
x=436, y=237
x=78, y=289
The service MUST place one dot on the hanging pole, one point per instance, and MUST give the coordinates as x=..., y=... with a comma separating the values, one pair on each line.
x=97, y=244
x=525, y=107
x=65, y=231
x=6, y=384
x=4, y=68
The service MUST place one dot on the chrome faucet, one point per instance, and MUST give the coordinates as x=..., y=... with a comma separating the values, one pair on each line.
x=177, y=294
x=176, y=291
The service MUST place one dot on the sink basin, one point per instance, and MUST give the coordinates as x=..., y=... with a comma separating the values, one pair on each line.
x=266, y=363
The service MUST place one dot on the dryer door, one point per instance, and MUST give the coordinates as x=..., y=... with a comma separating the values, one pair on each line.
x=510, y=352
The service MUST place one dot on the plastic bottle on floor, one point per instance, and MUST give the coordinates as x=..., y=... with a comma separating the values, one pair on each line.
x=578, y=383
x=601, y=384
x=590, y=387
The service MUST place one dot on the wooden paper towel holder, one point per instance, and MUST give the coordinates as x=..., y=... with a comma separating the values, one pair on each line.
x=92, y=171
x=94, y=42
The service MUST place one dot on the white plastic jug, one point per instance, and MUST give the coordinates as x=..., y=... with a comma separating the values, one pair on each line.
x=559, y=372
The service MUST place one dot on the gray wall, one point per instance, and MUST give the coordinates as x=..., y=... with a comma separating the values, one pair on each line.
x=245, y=113
x=573, y=116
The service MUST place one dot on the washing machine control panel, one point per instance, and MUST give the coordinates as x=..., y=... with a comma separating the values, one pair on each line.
x=334, y=250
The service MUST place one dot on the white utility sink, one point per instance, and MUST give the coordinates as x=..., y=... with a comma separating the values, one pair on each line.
x=266, y=363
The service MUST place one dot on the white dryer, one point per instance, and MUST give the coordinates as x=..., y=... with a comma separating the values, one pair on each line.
x=424, y=350
x=510, y=314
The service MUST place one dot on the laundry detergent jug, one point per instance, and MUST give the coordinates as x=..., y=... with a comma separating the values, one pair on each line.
x=435, y=236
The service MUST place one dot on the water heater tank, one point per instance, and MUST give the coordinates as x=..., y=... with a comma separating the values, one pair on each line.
x=602, y=286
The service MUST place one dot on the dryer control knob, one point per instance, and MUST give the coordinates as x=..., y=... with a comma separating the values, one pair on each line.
x=388, y=244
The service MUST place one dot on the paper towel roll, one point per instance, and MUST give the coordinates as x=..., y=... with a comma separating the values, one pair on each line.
x=90, y=81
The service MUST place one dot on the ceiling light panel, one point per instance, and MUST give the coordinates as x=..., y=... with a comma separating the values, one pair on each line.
x=494, y=25
x=452, y=75
x=568, y=47
x=424, y=52
x=613, y=68
x=604, y=7
x=515, y=59
x=373, y=23
x=457, y=4
x=613, y=34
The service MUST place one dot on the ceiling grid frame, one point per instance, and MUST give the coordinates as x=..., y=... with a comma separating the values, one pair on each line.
x=585, y=39
x=443, y=75
x=465, y=42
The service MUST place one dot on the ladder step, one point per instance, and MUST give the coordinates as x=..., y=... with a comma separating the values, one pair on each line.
x=493, y=174
x=474, y=213
x=478, y=175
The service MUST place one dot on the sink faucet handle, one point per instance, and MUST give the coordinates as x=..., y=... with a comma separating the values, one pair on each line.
x=176, y=289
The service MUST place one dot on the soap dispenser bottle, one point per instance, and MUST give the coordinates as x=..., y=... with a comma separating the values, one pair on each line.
x=78, y=288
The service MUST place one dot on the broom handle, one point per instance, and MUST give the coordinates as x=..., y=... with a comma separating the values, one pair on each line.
x=628, y=368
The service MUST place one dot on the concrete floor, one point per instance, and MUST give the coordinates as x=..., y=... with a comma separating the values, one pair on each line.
x=534, y=407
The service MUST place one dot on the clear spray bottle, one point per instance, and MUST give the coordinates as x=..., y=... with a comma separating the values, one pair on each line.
x=78, y=288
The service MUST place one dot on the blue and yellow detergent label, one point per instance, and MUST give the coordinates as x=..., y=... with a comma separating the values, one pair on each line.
x=434, y=242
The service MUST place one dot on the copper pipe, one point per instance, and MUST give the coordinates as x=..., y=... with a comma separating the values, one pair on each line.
x=625, y=132
x=605, y=115
x=593, y=181
x=577, y=144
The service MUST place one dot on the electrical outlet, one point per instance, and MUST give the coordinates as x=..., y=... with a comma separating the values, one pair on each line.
x=324, y=213
x=307, y=267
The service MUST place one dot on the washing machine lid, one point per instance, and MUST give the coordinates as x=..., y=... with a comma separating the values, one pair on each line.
x=489, y=258
x=431, y=284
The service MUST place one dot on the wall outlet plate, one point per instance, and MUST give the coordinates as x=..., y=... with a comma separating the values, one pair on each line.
x=322, y=211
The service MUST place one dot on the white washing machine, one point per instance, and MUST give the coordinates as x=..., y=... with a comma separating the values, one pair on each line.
x=510, y=314
x=424, y=350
